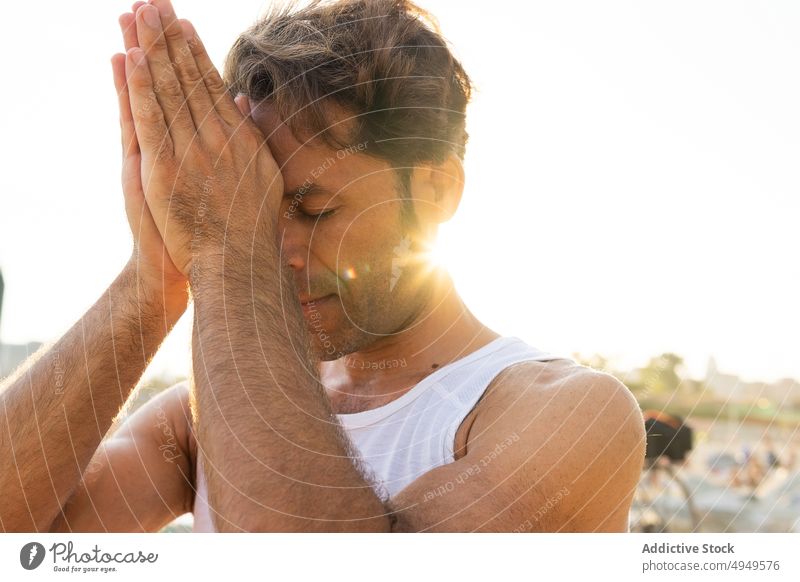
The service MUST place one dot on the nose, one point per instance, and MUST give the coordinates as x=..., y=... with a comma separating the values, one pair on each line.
x=295, y=262
x=293, y=243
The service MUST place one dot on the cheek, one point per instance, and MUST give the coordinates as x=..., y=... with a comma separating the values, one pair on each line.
x=365, y=248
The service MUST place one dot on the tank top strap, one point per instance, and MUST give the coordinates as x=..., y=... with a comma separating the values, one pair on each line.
x=468, y=385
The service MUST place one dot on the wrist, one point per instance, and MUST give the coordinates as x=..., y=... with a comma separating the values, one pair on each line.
x=238, y=265
x=156, y=294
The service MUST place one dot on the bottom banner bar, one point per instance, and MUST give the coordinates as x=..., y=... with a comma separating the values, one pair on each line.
x=353, y=557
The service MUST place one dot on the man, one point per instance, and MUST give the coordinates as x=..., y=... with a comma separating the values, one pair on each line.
x=339, y=382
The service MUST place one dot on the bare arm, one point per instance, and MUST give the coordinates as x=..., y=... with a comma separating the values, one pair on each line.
x=56, y=408
x=142, y=477
x=275, y=456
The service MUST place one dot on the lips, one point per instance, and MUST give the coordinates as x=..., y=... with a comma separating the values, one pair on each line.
x=316, y=300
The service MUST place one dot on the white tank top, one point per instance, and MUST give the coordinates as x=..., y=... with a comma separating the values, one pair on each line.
x=415, y=433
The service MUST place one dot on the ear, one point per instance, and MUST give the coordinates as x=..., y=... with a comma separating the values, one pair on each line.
x=243, y=103
x=437, y=189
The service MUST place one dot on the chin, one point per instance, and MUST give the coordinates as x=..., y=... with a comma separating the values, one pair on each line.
x=329, y=346
x=324, y=343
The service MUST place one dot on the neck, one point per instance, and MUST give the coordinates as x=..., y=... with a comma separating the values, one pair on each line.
x=443, y=331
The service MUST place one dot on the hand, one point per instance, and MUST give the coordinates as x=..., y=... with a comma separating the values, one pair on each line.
x=150, y=257
x=208, y=175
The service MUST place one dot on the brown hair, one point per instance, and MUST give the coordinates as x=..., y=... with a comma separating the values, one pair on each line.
x=384, y=62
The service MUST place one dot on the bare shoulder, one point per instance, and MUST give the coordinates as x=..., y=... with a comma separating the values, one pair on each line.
x=581, y=439
x=168, y=418
x=169, y=410
x=557, y=389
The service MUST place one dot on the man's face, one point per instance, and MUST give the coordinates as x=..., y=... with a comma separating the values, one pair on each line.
x=343, y=233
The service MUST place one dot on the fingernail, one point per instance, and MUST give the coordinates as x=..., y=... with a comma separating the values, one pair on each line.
x=188, y=33
x=150, y=16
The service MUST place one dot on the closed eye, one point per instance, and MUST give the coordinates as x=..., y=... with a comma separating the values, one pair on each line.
x=317, y=215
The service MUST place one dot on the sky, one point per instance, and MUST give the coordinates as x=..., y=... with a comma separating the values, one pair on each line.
x=632, y=182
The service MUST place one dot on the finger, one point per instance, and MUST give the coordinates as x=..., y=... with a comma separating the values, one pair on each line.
x=165, y=84
x=153, y=135
x=129, y=144
x=127, y=23
x=223, y=102
x=135, y=206
x=200, y=104
x=141, y=221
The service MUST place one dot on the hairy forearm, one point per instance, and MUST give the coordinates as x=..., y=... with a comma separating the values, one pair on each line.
x=275, y=456
x=56, y=408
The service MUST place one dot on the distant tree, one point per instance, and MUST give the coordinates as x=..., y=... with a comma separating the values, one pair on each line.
x=662, y=374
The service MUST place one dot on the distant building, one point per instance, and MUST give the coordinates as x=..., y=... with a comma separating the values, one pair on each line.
x=724, y=385
x=783, y=393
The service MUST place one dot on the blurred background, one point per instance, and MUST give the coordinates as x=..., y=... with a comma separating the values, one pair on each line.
x=631, y=200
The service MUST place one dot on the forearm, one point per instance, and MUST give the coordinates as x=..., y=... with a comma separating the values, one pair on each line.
x=275, y=455
x=56, y=408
